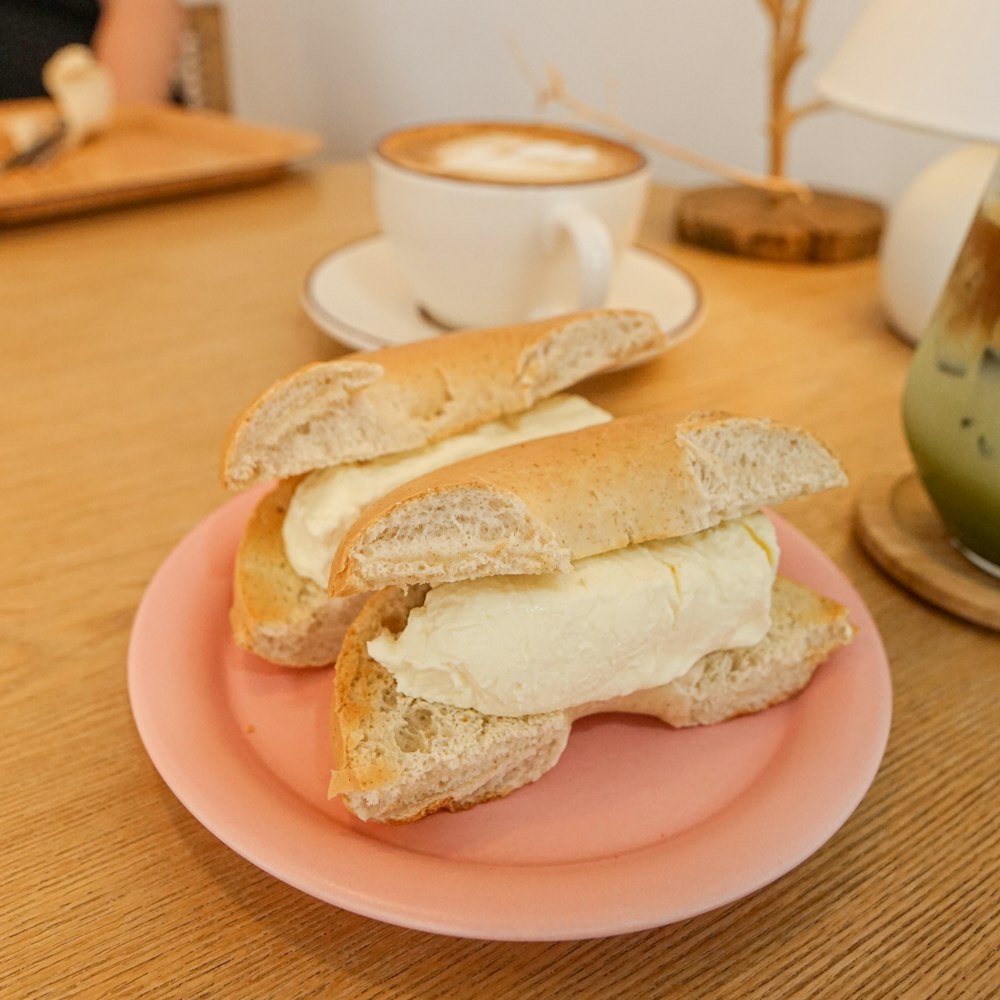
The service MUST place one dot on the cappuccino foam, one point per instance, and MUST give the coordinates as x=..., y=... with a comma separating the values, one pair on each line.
x=514, y=158
x=510, y=154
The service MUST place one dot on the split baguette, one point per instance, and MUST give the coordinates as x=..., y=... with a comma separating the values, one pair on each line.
x=401, y=758
x=535, y=507
x=364, y=406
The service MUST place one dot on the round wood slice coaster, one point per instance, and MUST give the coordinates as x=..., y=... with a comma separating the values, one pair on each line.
x=749, y=222
x=902, y=532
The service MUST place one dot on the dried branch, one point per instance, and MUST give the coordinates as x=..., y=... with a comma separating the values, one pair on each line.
x=787, y=48
x=794, y=115
x=523, y=65
x=773, y=7
x=555, y=92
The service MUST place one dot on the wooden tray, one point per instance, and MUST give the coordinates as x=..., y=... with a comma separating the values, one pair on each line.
x=147, y=153
x=902, y=532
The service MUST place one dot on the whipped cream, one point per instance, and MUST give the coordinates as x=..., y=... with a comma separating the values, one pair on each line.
x=327, y=502
x=616, y=623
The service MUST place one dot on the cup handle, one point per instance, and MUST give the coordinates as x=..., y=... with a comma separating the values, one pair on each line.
x=594, y=250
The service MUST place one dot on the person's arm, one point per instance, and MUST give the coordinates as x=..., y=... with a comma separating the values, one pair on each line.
x=139, y=42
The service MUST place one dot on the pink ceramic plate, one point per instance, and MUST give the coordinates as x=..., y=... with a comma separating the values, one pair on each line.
x=637, y=826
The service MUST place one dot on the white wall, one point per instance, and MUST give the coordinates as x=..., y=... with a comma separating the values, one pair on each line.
x=689, y=71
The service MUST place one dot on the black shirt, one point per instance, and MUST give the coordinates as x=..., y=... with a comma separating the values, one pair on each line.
x=31, y=31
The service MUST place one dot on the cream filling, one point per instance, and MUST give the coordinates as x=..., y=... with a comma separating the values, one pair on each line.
x=616, y=623
x=327, y=502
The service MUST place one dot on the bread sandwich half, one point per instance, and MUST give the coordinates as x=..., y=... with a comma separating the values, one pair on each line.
x=337, y=435
x=622, y=567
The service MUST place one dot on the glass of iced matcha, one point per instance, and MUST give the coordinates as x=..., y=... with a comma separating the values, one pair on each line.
x=951, y=404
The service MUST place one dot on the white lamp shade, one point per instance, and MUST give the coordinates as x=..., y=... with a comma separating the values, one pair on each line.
x=933, y=64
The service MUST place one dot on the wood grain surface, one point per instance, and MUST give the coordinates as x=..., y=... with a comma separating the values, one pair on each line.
x=130, y=339
x=829, y=227
x=901, y=531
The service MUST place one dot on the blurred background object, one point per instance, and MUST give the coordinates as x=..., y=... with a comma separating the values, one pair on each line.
x=138, y=41
x=749, y=220
x=929, y=65
x=353, y=71
x=924, y=232
x=135, y=151
x=690, y=71
x=203, y=70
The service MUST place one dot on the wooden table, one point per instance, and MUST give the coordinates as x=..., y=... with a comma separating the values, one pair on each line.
x=129, y=342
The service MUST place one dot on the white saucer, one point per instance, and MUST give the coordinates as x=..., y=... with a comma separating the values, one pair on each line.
x=358, y=296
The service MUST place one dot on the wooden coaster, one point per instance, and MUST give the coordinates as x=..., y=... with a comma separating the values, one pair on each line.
x=749, y=222
x=902, y=532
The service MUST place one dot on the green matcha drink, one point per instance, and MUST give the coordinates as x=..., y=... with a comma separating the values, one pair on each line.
x=951, y=405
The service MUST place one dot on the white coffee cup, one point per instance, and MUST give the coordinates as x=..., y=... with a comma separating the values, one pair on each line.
x=494, y=223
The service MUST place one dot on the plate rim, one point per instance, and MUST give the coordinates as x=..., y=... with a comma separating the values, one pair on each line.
x=356, y=896
x=353, y=336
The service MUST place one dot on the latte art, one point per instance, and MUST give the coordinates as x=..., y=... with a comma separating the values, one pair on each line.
x=512, y=157
x=502, y=153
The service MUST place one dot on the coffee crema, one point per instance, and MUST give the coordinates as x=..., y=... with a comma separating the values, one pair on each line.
x=509, y=153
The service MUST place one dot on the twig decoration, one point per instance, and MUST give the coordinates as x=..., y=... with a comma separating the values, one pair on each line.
x=555, y=92
x=787, y=48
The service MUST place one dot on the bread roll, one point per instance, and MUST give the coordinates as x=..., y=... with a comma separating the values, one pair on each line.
x=534, y=507
x=365, y=405
x=401, y=758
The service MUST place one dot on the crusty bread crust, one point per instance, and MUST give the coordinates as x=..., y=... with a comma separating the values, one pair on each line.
x=377, y=403
x=535, y=507
x=276, y=613
x=400, y=758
